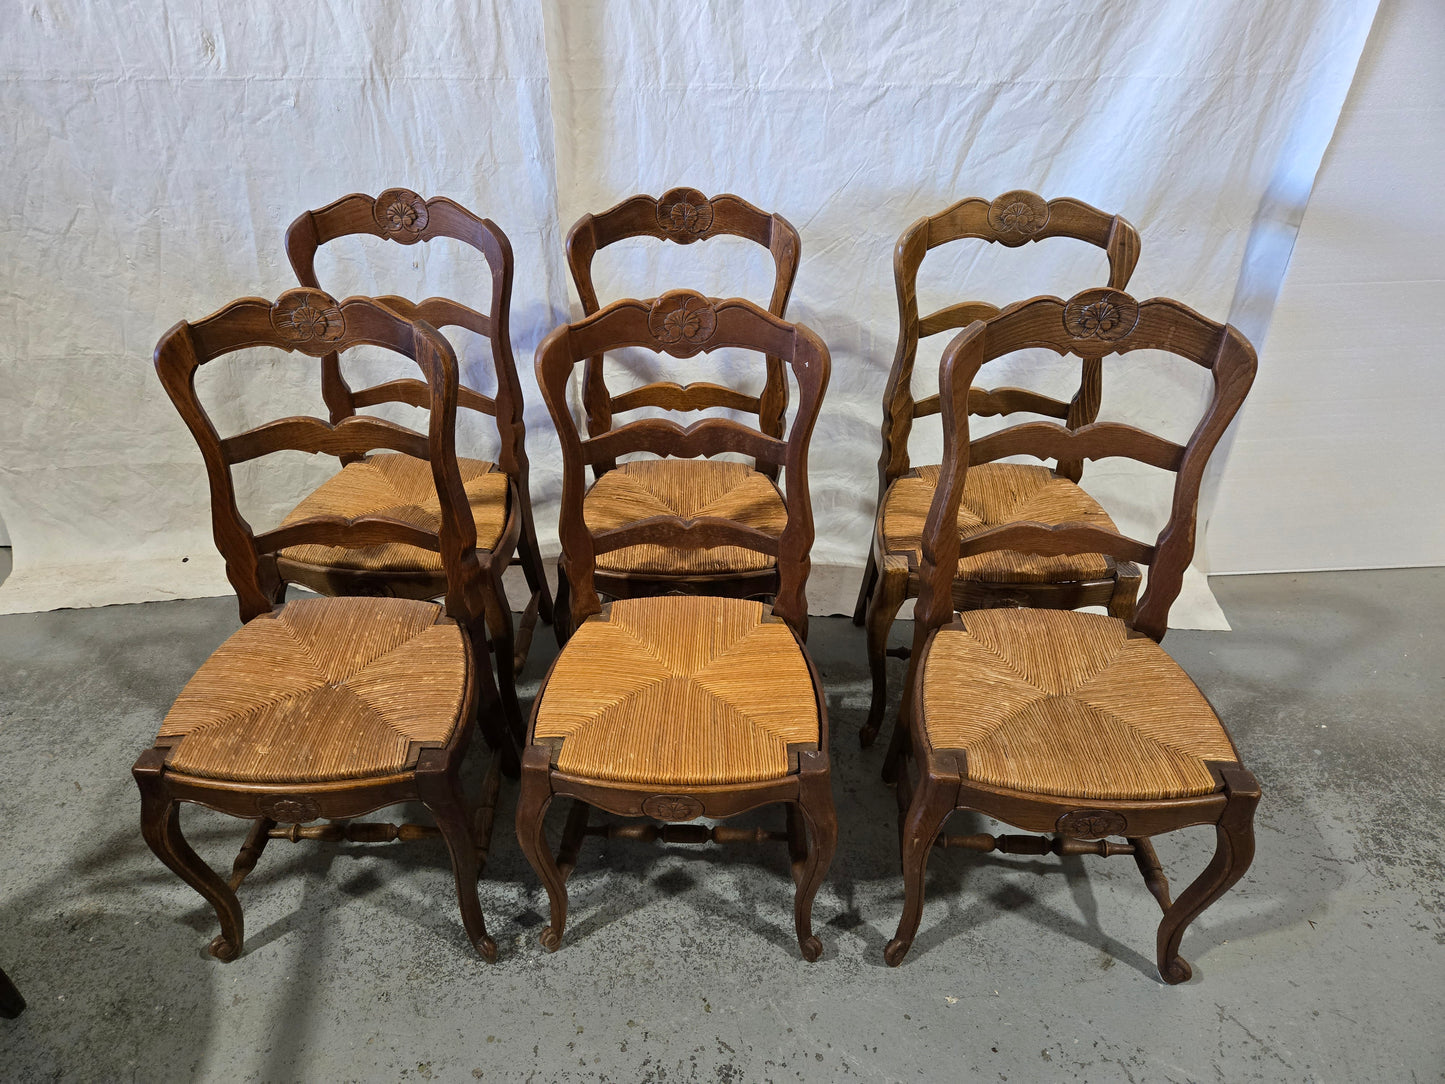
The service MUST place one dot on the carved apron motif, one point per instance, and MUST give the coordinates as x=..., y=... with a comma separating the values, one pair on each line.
x=672, y=807
x=1091, y=824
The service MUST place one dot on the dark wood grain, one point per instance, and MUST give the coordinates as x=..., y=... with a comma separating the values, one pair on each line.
x=811, y=829
x=684, y=216
x=1012, y=219
x=310, y=322
x=943, y=784
x=739, y=324
x=400, y=215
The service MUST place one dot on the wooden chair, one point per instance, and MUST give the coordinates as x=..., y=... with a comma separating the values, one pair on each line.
x=680, y=706
x=998, y=492
x=327, y=707
x=497, y=491
x=636, y=491
x=1057, y=721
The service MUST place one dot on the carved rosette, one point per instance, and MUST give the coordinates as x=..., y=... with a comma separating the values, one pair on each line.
x=684, y=214
x=672, y=807
x=682, y=321
x=1101, y=313
x=1091, y=824
x=1017, y=216
x=290, y=810
x=307, y=316
x=401, y=214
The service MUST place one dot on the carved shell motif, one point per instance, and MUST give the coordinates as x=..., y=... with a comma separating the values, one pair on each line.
x=290, y=810
x=684, y=214
x=683, y=321
x=1101, y=314
x=1018, y=215
x=672, y=807
x=307, y=316
x=401, y=214
x=1091, y=824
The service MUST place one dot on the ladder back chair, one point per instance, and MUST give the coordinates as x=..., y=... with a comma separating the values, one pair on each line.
x=676, y=707
x=498, y=491
x=1057, y=721
x=998, y=492
x=638, y=490
x=327, y=707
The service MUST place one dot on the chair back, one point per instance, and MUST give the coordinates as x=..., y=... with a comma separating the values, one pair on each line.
x=1013, y=219
x=311, y=322
x=682, y=324
x=684, y=216
x=400, y=215
x=1092, y=325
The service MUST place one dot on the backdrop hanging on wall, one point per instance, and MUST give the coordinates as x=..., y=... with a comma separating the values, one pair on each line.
x=158, y=154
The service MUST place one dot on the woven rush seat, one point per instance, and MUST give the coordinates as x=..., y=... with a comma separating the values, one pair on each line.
x=399, y=486
x=685, y=690
x=688, y=488
x=323, y=689
x=995, y=494
x=1066, y=703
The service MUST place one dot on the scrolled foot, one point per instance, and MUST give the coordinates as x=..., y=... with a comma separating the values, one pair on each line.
x=896, y=950
x=222, y=949
x=812, y=948
x=1176, y=971
x=486, y=949
x=551, y=939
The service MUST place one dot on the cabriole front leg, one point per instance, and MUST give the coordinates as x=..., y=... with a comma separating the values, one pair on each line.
x=161, y=826
x=932, y=802
x=532, y=805
x=1233, y=853
x=815, y=805
x=440, y=791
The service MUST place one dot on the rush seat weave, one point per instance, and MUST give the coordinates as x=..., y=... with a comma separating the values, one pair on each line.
x=995, y=494
x=323, y=689
x=399, y=486
x=679, y=690
x=1065, y=703
x=688, y=488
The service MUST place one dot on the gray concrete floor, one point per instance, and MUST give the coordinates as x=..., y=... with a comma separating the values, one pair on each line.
x=1327, y=962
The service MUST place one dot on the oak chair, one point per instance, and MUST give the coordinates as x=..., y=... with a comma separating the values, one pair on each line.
x=1057, y=721
x=998, y=492
x=498, y=492
x=327, y=707
x=682, y=706
x=635, y=491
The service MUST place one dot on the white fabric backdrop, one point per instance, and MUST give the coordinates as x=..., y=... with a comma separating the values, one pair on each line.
x=1356, y=404
x=158, y=151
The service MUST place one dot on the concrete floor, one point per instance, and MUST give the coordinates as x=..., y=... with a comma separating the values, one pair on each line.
x=1327, y=962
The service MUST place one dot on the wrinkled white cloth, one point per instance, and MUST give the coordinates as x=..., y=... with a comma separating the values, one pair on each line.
x=156, y=152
